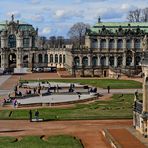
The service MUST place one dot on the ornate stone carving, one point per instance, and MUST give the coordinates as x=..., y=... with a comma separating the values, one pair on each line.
x=145, y=43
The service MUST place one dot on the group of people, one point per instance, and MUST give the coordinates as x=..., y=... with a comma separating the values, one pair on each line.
x=36, y=114
x=71, y=87
x=93, y=90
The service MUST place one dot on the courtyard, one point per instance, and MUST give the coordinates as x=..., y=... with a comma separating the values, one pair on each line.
x=66, y=119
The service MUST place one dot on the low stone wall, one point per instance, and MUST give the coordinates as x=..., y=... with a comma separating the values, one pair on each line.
x=58, y=103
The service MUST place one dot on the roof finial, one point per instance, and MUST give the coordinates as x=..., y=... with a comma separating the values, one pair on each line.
x=99, y=19
x=12, y=17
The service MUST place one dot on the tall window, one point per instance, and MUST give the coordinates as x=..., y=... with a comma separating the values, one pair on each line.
x=94, y=43
x=60, y=58
x=51, y=58
x=129, y=44
x=111, y=44
x=26, y=42
x=103, y=43
x=40, y=58
x=12, y=41
x=64, y=59
x=46, y=58
x=120, y=44
x=56, y=58
x=77, y=61
x=85, y=61
x=95, y=61
x=137, y=44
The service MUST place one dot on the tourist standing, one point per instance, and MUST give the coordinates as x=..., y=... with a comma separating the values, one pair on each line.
x=30, y=115
x=108, y=88
x=37, y=114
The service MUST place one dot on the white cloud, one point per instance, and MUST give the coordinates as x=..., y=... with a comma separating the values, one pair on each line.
x=15, y=13
x=59, y=13
x=46, y=30
x=37, y=18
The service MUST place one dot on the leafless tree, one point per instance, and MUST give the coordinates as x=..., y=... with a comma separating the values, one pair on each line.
x=144, y=17
x=134, y=15
x=138, y=15
x=77, y=33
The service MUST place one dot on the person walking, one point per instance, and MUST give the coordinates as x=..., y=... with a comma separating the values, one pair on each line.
x=108, y=89
x=30, y=115
x=37, y=115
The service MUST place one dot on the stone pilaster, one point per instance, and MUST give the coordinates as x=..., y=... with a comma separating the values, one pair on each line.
x=19, y=63
x=107, y=61
x=124, y=60
x=115, y=61
x=99, y=41
x=124, y=44
x=88, y=41
x=145, y=95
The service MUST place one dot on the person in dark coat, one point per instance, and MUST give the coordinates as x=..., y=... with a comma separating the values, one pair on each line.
x=30, y=115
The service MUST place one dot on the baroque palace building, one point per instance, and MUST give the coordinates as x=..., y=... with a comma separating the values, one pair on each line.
x=20, y=48
x=109, y=48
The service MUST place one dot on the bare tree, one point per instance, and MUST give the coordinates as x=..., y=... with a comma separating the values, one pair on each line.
x=144, y=17
x=138, y=15
x=135, y=15
x=77, y=33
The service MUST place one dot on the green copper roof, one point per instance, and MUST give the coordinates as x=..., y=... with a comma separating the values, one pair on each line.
x=113, y=26
x=22, y=26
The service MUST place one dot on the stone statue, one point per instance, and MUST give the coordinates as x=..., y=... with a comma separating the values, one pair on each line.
x=145, y=43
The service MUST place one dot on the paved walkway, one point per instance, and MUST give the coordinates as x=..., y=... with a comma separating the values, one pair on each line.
x=89, y=131
x=125, y=139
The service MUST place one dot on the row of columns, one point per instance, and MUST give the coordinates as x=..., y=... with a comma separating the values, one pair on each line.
x=89, y=43
x=106, y=60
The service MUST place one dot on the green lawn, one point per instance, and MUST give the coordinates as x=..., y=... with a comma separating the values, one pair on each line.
x=61, y=141
x=120, y=107
x=102, y=83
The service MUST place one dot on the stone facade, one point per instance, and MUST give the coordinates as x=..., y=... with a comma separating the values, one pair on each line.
x=19, y=48
x=115, y=46
x=140, y=112
x=109, y=48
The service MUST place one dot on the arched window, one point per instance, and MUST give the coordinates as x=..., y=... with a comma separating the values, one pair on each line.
x=128, y=61
x=103, y=61
x=129, y=44
x=46, y=58
x=51, y=58
x=26, y=42
x=40, y=57
x=137, y=44
x=120, y=44
x=12, y=41
x=103, y=44
x=56, y=58
x=64, y=59
x=60, y=58
x=138, y=59
x=111, y=61
x=111, y=44
x=77, y=61
x=119, y=61
x=94, y=43
x=85, y=61
x=94, y=61
x=25, y=61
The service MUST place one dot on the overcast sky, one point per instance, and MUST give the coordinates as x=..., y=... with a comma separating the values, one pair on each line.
x=55, y=17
